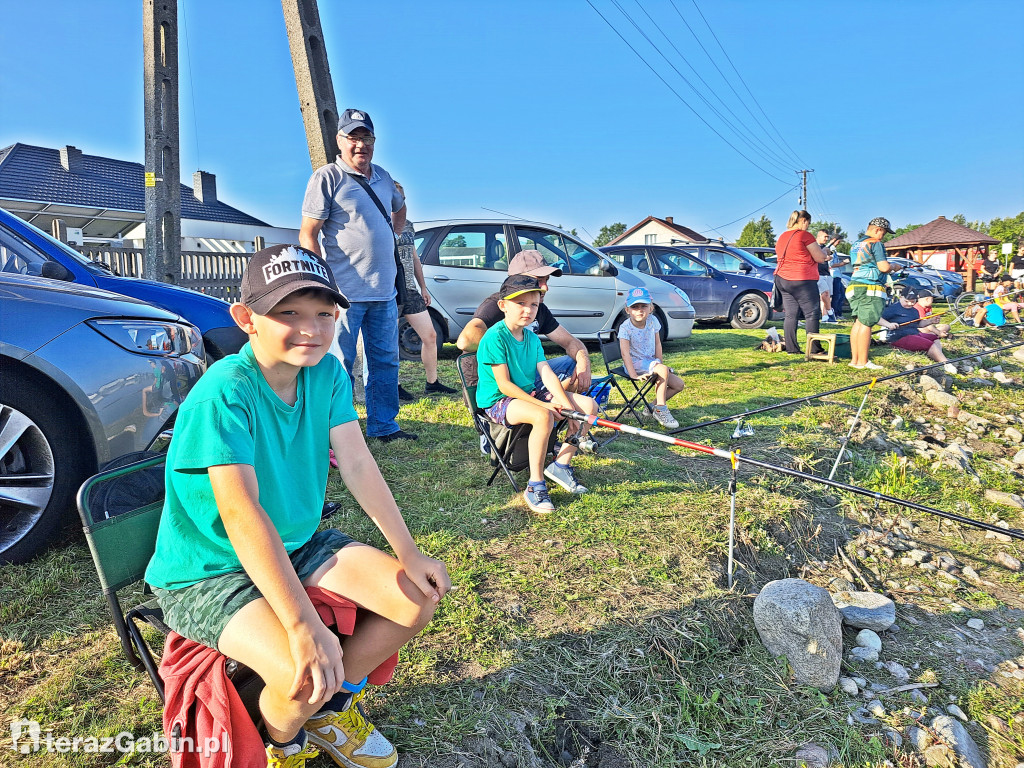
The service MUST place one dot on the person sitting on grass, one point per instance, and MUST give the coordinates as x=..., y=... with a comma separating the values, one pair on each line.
x=1002, y=294
x=640, y=345
x=238, y=541
x=985, y=312
x=924, y=309
x=509, y=358
x=901, y=320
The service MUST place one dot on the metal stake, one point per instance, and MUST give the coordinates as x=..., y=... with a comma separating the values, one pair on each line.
x=732, y=512
x=853, y=426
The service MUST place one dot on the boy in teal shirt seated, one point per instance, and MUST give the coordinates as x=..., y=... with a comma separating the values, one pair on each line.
x=509, y=359
x=237, y=545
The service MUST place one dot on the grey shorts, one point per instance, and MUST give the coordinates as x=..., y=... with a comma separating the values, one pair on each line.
x=201, y=611
x=414, y=303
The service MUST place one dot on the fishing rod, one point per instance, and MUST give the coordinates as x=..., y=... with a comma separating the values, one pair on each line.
x=735, y=456
x=847, y=388
x=911, y=322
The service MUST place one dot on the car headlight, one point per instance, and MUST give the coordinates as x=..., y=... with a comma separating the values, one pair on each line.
x=150, y=337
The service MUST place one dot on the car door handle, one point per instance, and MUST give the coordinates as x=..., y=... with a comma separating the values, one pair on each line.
x=441, y=279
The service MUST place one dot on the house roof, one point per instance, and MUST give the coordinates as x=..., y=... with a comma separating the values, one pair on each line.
x=940, y=232
x=35, y=175
x=686, y=232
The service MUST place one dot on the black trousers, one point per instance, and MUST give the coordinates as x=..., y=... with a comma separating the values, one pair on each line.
x=799, y=296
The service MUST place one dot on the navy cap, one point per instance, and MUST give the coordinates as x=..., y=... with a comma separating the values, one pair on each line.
x=354, y=118
x=517, y=285
x=279, y=271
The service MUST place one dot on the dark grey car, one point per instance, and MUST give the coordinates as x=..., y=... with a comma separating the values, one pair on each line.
x=86, y=376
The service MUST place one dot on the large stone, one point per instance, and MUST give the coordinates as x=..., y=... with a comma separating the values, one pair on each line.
x=1014, y=434
x=1004, y=498
x=1007, y=561
x=797, y=620
x=1018, y=457
x=866, y=610
x=812, y=756
x=929, y=384
x=940, y=399
x=867, y=638
x=953, y=733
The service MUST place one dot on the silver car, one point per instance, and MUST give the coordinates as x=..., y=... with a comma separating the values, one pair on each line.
x=465, y=261
x=86, y=376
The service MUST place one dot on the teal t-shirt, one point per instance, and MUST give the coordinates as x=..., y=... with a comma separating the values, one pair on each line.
x=864, y=256
x=232, y=416
x=499, y=347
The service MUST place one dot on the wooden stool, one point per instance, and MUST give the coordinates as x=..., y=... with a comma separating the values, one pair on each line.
x=822, y=338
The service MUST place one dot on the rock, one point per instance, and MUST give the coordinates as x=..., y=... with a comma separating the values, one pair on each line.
x=977, y=423
x=898, y=671
x=976, y=382
x=862, y=716
x=875, y=708
x=929, y=384
x=919, y=738
x=897, y=423
x=1014, y=434
x=970, y=574
x=939, y=756
x=1008, y=561
x=848, y=686
x=999, y=537
x=941, y=399
x=918, y=555
x=919, y=697
x=1002, y=378
x=1018, y=457
x=1018, y=354
x=953, y=709
x=976, y=624
x=893, y=737
x=866, y=638
x=866, y=610
x=798, y=620
x=864, y=654
x=1004, y=498
x=953, y=733
x=810, y=755
x=841, y=584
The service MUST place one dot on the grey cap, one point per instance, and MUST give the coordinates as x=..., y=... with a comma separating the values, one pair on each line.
x=882, y=222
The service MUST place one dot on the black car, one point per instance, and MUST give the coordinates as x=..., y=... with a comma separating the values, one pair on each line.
x=741, y=299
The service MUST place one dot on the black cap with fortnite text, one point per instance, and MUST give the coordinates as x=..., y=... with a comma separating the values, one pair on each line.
x=281, y=270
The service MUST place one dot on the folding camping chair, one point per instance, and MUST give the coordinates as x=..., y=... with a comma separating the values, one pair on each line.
x=120, y=510
x=635, y=403
x=509, y=448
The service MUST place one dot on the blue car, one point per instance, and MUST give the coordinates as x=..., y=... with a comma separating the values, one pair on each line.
x=716, y=295
x=27, y=250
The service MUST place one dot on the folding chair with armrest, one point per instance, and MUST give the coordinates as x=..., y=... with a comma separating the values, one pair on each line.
x=615, y=371
x=120, y=510
x=509, y=447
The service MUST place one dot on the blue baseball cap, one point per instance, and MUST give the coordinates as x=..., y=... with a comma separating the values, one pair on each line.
x=638, y=296
x=354, y=118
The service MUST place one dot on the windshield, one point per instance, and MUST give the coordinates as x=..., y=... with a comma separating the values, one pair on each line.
x=748, y=256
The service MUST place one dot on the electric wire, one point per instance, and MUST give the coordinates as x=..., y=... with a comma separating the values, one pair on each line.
x=767, y=152
x=716, y=229
x=725, y=79
x=191, y=86
x=697, y=93
x=678, y=96
x=727, y=58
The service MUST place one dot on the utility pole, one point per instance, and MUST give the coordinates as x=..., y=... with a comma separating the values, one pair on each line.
x=803, y=196
x=318, y=106
x=163, y=178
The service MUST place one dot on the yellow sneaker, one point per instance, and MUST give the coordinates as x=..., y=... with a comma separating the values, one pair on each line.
x=350, y=739
x=291, y=757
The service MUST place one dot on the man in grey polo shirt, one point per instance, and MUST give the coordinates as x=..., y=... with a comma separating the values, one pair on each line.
x=359, y=244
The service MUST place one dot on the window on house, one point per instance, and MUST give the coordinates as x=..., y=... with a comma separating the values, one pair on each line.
x=650, y=239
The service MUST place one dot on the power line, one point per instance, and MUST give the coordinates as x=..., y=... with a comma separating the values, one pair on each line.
x=678, y=96
x=765, y=151
x=744, y=82
x=741, y=218
x=731, y=88
x=191, y=87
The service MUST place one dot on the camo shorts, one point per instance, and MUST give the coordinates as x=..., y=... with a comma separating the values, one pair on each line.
x=201, y=611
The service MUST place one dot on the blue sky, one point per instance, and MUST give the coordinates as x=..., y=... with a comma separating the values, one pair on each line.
x=908, y=109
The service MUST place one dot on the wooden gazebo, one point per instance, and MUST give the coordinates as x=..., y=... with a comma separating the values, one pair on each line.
x=943, y=244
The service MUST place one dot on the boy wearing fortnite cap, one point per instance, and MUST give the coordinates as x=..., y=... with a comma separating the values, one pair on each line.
x=640, y=346
x=510, y=357
x=237, y=543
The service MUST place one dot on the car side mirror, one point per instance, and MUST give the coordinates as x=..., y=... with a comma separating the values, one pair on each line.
x=744, y=267
x=609, y=270
x=54, y=270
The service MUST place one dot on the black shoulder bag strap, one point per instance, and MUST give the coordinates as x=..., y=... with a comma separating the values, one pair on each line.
x=400, y=285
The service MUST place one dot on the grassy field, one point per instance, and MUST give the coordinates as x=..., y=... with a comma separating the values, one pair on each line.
x=604, y=635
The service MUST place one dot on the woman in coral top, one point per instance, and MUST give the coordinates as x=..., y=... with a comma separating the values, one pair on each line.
x=796, y=277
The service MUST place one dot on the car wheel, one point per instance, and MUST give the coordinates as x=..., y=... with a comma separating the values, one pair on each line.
x=749, y=312
x=42, y=465
x=409, y=344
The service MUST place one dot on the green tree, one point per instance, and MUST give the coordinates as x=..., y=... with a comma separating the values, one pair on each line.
x=834, y=228
x=757, y=234
x=454, y=241
x=901, y=230
x=1008, y=230
x=606, y=234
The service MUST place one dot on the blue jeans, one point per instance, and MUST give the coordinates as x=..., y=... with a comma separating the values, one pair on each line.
x=564, y=367
x=837, y=296
x=378, y=321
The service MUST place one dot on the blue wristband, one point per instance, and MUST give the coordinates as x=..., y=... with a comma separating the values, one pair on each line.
x=356, y=687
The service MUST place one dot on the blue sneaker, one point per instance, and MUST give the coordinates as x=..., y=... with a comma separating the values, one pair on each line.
x=565, y=477
x=538, y=499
